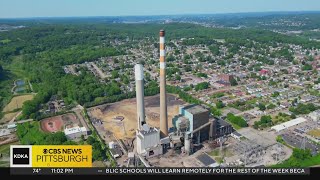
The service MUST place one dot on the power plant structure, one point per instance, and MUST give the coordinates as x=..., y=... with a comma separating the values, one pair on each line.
x=140, y=95
x=192, y=126
x=163, y=94
x=148, y=138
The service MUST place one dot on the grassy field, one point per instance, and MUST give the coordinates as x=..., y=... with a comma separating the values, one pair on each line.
x=17, y=102
x=13, y=71
x=215, y=152
x=314, y=132
x=5, y=41
x=98, y=164
x=5, y=151
x=235, y=126
x=8, y=116
x=225, y=152
x=220, y=156
x=4, y=163
x=304, y=163
x=277, y=119
x=16, y=67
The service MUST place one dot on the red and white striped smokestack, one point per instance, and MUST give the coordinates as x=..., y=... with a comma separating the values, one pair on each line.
x=163, y=96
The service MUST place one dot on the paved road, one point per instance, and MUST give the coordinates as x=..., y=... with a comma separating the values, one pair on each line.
x=24, y=121
x=101, y=74
x=30, y=85
x=15, y=117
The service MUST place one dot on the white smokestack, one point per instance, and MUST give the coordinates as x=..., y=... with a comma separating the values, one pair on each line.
x=140, y=94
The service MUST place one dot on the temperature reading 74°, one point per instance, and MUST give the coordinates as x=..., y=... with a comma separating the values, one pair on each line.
x=36, y=171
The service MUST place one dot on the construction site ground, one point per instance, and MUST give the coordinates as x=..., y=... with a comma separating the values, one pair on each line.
x=125, y=128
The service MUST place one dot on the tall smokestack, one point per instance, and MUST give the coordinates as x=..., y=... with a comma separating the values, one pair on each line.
x=163, y=96
x=140, y=95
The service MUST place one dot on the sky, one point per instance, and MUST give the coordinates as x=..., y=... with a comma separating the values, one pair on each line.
x=73, y=8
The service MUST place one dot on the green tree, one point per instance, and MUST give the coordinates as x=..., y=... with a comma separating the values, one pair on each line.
x=91, y=140
x=262, y=107
x=301, y=154
x=114, y=74
x=220, y=105
x=275, y=94
x=233, y=82
x=188, y=68
x=178, y=77
x=238, y=120
x=214, y=50
x=293, y=116
x=170, y=58
x=201, y=86
x=142, y=62
x=307, y=67
x=271, y=106
x=202, y=75
x=57, y=138
x=266, y=119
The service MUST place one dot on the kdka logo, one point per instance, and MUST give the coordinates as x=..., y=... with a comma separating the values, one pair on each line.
x=20, y=156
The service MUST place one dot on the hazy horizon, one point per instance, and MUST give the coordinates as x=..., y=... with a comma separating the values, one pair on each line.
x=100, y=8
x=190, y=14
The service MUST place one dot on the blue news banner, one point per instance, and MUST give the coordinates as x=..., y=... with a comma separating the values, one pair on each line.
x=160, y=171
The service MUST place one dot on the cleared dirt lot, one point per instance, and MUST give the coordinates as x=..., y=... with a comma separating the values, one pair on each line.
x=59, y=123
x=127, y=108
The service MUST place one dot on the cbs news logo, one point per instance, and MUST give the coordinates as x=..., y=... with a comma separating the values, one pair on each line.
x=50, y=156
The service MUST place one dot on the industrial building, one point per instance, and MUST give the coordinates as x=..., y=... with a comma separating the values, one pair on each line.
x=189, y=119
x=222, y=128
x=288, y=124
x=11, y=126
x=75, y=132
x=148, y=138
x=191, y=127
x=115, y=150
x=148, y=142
x=236, y=135
x=315, y=115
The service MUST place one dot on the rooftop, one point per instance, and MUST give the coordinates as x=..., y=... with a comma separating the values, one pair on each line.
x=195, y=109
x=181, y=118
x=116, y=152
x=288, y=124
x=152, y=130
x=236, y=133
x=221, y=123
x=74, y=130
x=205, y=159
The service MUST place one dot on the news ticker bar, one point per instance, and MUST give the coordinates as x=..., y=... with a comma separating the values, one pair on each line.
x=160, y=171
